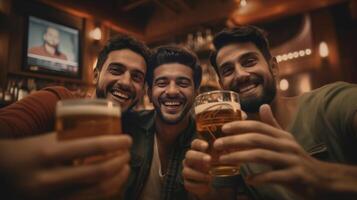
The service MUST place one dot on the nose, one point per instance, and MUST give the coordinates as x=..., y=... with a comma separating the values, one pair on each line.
x=125, y=79
x=241, y=72
x=172, y=89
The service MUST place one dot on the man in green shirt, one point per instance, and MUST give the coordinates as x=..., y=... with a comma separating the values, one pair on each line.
x=302, y=147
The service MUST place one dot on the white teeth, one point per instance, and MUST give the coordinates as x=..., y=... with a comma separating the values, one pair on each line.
x=246, y=88
x=172, y=103
x=121, y=95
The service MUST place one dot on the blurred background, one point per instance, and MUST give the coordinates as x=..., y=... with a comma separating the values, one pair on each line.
x=314, y=41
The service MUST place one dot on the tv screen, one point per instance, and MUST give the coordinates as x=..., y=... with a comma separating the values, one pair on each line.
x=52, y=48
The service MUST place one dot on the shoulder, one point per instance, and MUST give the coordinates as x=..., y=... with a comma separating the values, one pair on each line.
x=138, y=119
x=36, y=49
x=60, y=92
x=331, y=92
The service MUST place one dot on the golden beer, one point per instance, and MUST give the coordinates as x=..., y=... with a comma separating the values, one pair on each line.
x=213, y=110
x=87, y=118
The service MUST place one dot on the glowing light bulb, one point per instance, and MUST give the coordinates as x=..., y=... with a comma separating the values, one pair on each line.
x=96, y=34
x=284, y=84
x=323, y=50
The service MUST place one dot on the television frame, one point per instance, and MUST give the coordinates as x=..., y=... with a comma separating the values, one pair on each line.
x=26, y=67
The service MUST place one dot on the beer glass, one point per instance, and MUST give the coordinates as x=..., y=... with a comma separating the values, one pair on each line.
x=212, y=110
x=78, y=118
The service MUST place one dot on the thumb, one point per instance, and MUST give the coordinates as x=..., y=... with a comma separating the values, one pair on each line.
x=266, y=115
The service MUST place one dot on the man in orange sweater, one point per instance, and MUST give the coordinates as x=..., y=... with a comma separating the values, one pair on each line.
x=32, y=167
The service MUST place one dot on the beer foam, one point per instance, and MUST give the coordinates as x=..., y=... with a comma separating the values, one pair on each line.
x=88, y=110
x=215, y=105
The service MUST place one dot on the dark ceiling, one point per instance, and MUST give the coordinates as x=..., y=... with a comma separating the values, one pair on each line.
x=156, y=19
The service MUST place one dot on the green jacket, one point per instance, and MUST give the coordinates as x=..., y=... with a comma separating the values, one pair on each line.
x=141, y=127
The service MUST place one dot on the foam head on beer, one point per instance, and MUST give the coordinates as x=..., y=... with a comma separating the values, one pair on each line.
x=87, y=117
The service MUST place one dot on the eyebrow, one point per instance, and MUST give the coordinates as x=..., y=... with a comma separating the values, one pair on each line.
x=122, y=65
x=166, y=78
x=160, y=78
x=248, y=55
x=117, y=64
x=241, y=57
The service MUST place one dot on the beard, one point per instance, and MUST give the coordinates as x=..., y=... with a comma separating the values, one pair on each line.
x=103, y=94
x=252, y=104
x=100, y=93
x=165, y=119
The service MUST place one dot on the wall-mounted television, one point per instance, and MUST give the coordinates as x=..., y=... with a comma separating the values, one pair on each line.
x=52, y=48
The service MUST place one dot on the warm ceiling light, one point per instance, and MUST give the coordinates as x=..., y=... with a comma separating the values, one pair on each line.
x=243, y=3
x=308, y=51
x=301, y=53
x=305, y=83
x=284, y=84
x=323, y=49
x=96, y=34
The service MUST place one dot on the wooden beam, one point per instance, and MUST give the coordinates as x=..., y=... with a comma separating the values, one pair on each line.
x=268, y=10
x=89, y=10
x=165, y=7
x=183, y=4
x=133, y=5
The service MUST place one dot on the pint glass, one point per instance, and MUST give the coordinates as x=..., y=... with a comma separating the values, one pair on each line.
x=80, y=118
x=212, y=110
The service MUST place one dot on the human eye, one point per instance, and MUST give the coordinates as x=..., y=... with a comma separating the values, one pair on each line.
x=137, y=77
x=249, y=62
x=227, y=69
x=184, y=83
x=116, y=69
x=161, y=83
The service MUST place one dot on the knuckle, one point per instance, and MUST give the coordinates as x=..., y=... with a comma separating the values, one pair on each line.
x=40, y=180
x=101, y=172
x=100, y=146
x=46, y=153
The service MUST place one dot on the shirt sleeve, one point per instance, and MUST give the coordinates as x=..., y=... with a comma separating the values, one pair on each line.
x=340, y=107
x=33, y=115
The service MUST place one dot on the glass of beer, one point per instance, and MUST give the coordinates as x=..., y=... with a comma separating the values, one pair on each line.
x=212, y=110
x=79, y=118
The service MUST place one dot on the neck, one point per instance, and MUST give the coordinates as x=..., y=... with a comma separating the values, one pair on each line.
x=283, y=109
x=168, y=133
x=50, y=49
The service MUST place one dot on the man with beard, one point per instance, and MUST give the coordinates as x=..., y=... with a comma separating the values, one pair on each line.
x=51, y=39
x=36, y=168
x=161, y=137
x=291, y=148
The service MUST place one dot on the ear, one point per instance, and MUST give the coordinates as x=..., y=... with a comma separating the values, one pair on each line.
x=96, y=76
x=274, y=67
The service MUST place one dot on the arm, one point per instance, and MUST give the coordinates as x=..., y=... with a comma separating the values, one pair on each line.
x=37, y=167
x=267, y=143
x=196, y=178
x=32, y=115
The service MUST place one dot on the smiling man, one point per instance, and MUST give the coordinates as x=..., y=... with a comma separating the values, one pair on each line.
x=38, y=169
x=161, y=137
x=120, y=73
x=119, y=76
x=308, y=142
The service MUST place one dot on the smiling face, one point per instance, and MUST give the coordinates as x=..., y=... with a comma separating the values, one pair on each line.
x=172, y=92
x=51, y=37
x=121, y=78
x=242, y=68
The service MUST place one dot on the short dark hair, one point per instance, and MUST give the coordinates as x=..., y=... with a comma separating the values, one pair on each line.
x=174, y=54
x=239, y=35
x=122, y=41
